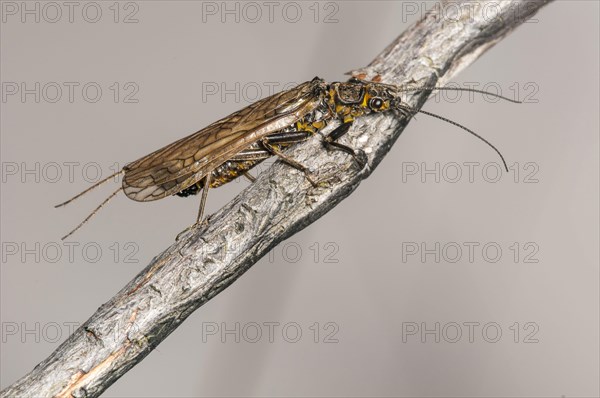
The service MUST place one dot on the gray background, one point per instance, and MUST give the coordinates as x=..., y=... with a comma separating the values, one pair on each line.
x=371, y=294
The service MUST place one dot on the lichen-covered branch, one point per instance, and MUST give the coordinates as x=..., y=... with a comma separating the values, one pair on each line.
x=280, y=203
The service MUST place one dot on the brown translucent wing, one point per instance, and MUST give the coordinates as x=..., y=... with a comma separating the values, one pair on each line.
x=186, y=161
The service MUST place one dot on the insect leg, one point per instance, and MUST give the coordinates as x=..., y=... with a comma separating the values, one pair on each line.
x=251, y=154
x=288, y=137
x=339, y=131
x=205, y=187
x=259, y=154
x=203, y=198
x=330, y=141
x=288, y=160
x=249, y=176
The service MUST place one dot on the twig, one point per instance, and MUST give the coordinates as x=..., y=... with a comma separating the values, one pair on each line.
x=280, y=203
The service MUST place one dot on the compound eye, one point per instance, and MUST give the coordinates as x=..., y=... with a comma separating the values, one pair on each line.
x=375, y=103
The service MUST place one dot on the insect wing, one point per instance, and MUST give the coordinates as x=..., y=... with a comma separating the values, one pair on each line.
x=186, y=161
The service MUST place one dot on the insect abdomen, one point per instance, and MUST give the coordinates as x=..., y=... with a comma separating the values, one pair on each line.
x=223, y=174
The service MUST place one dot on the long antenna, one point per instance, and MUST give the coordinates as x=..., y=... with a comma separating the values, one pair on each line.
x=112, y=195
x=89, y=189
x=414, y=111
x=473, y=90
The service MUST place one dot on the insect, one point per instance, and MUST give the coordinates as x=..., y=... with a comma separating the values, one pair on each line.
x=230, y=147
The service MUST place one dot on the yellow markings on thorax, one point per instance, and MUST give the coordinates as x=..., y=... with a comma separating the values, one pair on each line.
x=313, y=127
x=342, y=110
x=302, y=125
x=319, y=124
x=365, y=103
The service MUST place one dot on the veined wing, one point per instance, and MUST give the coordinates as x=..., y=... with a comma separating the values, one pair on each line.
x=186, y=161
